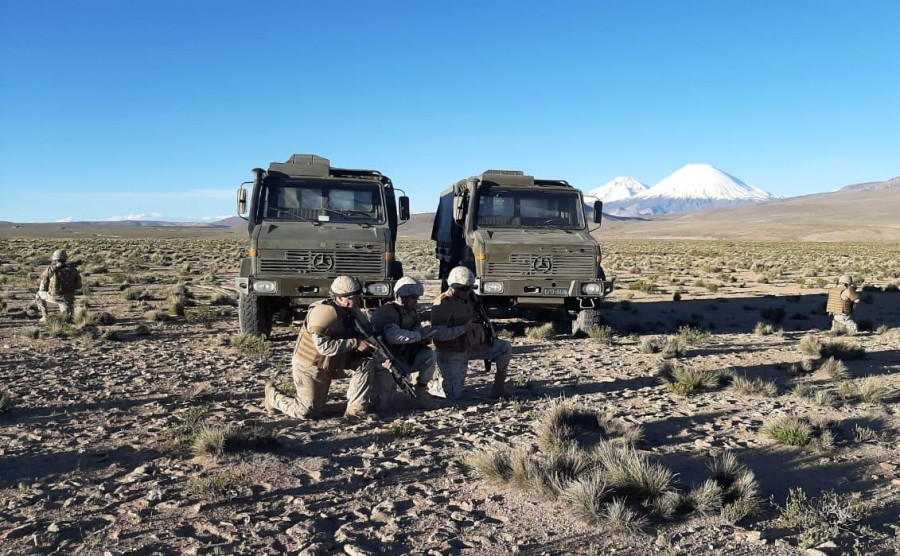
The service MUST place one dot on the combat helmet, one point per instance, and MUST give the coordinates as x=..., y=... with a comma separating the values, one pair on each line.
x=461, y=276
x=845, y=280
x=60, y=255
x=346, y=286
x=408, y=286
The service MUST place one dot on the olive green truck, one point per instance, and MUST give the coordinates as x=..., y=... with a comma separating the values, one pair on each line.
x=528, y=242
x=309, y=222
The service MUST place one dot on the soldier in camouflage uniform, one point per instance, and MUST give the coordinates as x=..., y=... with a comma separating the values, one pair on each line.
x=841, y=302
x=459, y=337
x=328, y=346
x=400, y=326
x=58, y=285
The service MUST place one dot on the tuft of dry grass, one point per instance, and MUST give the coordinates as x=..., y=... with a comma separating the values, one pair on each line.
x=754, y=386
x=492, y=463
x=810, y=345
x=673, y=347
x=686, y=381
x=563, y=423
x=585, y=496
x=619, y=517
x=5, y=401
x=872, y=389
x=766, y=329
x=789, y=430
x=835, y=369
x=650, y=345
x=542, y=332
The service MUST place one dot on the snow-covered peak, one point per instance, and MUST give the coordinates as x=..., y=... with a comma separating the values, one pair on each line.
x=622, y=187
x=703, y=181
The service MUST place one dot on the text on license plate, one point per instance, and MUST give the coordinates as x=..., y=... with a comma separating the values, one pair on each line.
x=556, y=291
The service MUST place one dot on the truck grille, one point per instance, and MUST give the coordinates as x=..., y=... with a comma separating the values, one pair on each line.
x=555, y=264
x=308, y=261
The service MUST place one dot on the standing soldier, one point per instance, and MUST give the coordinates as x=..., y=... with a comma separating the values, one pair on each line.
x=406, y=338
x=459, y=336
x=329, y=345
x=58, y=284
x=841, y=302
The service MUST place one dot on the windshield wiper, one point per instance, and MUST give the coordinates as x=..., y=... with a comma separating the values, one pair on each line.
x=292, y=214
x=352, y=216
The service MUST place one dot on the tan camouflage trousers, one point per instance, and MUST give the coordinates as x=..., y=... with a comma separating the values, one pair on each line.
x=369, y=390
x=843, y=322
x=421, y=373
x=66, y=304
x=454, y=366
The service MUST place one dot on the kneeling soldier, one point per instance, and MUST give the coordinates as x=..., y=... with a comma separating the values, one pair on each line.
x=401, y=328
x=328, y=345
x=58, y=284
x=841, y=302
x=459, y=336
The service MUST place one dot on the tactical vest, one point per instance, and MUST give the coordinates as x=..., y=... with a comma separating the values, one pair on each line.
x=392, y=313
x=451, y=311
x=837, y=304
x=64, y=280
x=327, y=319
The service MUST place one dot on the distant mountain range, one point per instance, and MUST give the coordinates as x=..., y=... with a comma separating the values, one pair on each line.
x=691, y=188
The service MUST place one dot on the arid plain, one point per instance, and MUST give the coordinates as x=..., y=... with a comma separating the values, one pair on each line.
x=140, y=429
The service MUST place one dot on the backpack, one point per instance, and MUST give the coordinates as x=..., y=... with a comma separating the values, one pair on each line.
x=65, y=280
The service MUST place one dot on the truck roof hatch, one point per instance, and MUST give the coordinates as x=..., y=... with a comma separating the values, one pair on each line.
x=507, y=177
x=303, y=165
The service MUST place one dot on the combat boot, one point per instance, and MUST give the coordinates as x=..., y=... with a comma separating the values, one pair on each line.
x=269, y=399
x=359, y=413
x=423, y=399
x=499, y=389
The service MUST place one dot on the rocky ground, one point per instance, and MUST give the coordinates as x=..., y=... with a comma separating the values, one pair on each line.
x=95, y=452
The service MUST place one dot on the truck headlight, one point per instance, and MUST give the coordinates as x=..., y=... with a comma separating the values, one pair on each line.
x=492, y=287
x=378, y=288
x=264, y=286
x=590, y=289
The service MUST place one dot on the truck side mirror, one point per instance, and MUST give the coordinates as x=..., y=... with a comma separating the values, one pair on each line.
x=404, y=208
x=241, y=201
x=459, y=209
x=598, y=211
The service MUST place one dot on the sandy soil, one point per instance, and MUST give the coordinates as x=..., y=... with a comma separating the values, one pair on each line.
x=91, y=460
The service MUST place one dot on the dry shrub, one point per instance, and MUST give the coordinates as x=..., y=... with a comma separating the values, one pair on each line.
x=754, y=386
x=835, y=369
x=650, y=345
x=542, y=332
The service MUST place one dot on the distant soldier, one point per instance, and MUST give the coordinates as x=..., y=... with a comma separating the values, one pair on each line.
x=841, y=302
x=401, y=328
x=58, y=284
x=328, y=346
x=459, y=335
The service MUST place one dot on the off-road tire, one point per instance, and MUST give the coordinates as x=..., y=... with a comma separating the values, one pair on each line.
x=254, y=315
x=585, y=320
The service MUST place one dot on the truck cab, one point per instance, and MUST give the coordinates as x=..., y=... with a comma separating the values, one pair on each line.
x=527, y=240
x=309, y=222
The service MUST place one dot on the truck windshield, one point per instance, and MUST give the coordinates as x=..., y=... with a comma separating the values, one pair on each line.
x=508, y=208
x=323, y=201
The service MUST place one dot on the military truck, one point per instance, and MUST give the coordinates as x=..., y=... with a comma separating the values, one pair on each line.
x=528, y=242
x=308, y=223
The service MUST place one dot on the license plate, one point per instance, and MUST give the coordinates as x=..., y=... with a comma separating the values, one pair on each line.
x=561, y=292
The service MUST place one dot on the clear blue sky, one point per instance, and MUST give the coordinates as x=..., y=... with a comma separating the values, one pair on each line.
x=118, y=108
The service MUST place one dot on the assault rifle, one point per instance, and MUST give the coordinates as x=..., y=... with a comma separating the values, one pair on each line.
x=381, y=354
x=490, y=334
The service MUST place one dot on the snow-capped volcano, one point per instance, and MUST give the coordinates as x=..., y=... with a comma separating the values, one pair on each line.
x=693, y=187
x=622, y=187
x=703, y=181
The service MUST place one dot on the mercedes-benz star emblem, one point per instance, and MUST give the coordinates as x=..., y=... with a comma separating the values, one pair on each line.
x=542, y=264
x=322, y=262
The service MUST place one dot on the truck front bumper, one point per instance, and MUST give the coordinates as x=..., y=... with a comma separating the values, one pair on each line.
x=544, y=292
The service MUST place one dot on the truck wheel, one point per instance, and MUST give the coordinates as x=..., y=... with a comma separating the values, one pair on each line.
x=586, y=319
x=254, y=315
